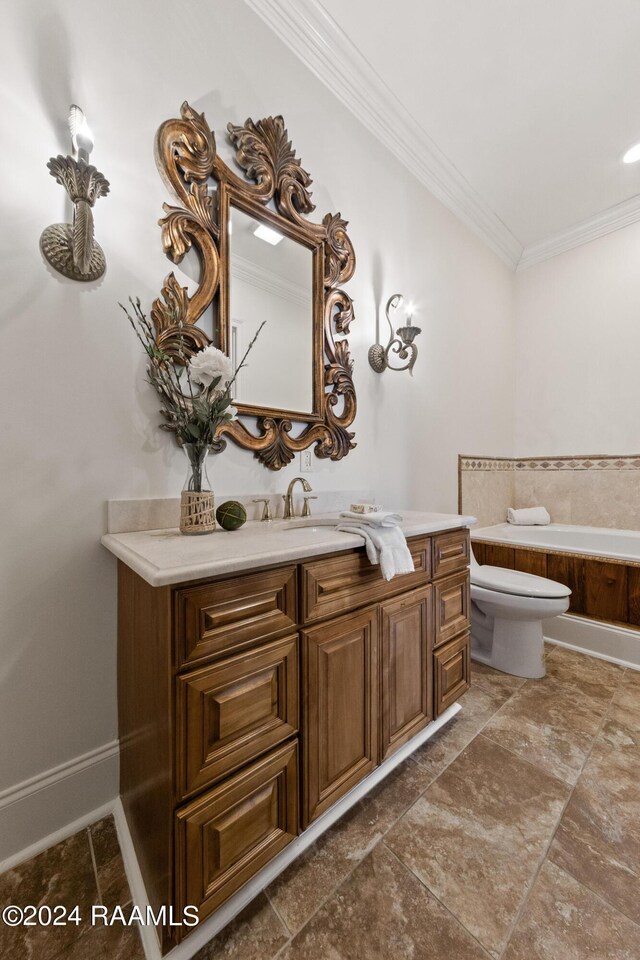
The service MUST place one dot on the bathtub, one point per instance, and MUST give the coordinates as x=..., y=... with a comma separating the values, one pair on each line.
x=600, y=565
x=589, y=541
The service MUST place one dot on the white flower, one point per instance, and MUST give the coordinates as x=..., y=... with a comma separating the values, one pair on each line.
x=233, y=412
x=208, y=364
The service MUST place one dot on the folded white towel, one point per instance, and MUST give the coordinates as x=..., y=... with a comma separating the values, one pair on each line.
x=382, y=518
x=385, y=545
x=529, y=516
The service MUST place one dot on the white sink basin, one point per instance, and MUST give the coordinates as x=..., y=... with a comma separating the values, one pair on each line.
x=301, y=523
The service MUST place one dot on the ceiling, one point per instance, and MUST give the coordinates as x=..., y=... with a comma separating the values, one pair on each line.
x=514, y=113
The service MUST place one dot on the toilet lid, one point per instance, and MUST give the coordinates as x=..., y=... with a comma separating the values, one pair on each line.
x=513, y=581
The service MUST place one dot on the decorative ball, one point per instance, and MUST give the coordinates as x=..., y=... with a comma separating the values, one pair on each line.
x=231, y=515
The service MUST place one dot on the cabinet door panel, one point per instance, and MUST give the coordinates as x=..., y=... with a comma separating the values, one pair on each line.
x=405, y=652
x=340, y=708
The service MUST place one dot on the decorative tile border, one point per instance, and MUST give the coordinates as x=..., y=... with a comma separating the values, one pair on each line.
x=578, y=463
x=550, y=464
x=485, y=463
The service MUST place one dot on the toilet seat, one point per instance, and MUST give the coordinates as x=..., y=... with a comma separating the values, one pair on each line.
x=517, y=583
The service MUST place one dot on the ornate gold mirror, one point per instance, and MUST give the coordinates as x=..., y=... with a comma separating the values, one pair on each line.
x=260, y=259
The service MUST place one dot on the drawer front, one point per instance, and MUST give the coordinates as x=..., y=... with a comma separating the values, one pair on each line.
x=224, y=837
x=451, y=606
x=451, y=669
x=230, y=615
x=342, y=583
x=231, y=711
x=450, y=552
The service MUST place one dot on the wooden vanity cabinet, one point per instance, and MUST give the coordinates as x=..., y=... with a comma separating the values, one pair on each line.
x=249, y=704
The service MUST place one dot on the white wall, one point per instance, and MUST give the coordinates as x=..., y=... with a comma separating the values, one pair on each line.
x=79, y=424
x=577, y=350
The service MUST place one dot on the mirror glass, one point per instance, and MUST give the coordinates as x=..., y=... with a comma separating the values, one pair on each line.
x=271, y=278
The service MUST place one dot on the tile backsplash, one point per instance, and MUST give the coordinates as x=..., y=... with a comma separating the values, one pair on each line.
x=596, y=491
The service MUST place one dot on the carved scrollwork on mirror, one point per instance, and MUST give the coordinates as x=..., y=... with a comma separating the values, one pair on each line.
x=220, y=215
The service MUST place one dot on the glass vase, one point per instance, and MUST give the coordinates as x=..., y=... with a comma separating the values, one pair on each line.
x=197, y=509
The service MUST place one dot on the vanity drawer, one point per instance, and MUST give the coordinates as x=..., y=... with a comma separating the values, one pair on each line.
x=451, y=552
x=451, y=670
x=451, y=606
x=231, y=711
x=346, y=581
x=230, y=615
x=224, y=837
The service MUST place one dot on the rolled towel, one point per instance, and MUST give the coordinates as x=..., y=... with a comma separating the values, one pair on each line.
x=382, y=518
x=529, y=516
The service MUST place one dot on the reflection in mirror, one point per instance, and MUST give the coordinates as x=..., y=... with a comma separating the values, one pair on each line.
x=271, y=278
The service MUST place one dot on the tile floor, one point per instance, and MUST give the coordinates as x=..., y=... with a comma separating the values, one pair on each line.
x=513, y=833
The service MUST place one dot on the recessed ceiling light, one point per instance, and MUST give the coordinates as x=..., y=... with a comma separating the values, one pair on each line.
x=267, y=234
x=632, y=154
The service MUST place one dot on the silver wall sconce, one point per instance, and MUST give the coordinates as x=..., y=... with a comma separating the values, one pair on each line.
x=401, y=344
x=70, y=247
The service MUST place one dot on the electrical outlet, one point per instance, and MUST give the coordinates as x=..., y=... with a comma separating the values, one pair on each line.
x=306, y=463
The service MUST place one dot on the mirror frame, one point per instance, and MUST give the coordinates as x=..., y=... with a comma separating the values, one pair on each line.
x=187, y=159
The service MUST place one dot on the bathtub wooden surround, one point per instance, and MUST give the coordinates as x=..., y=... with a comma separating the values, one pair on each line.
x=250, y=702
x=606, y=589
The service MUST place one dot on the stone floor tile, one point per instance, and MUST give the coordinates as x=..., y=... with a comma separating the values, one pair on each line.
x=478, y=834
x=382, y=912
x=255, y=934
x=494, y=680
x=106, y=943
x=308, y=881
x=593, y=677
x=563, y=920
x=478, y=704
x=551, y=723
x=598, y=840
x=61, y=875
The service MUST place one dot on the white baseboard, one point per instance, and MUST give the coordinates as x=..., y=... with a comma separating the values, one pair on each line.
x=210, y=927
x=48, y=808
x=606, y=641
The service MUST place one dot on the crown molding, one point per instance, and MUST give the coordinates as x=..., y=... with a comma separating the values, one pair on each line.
x=270, y=282
x=308, y=30
x=607, y=221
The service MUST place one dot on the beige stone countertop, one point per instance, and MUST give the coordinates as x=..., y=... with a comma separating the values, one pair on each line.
x=164, y=557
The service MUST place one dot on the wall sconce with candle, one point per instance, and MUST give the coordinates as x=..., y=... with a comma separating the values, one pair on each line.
x=70, y=247
x=402, y=344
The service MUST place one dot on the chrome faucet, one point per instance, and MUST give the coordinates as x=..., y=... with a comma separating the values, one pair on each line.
x=288, y=496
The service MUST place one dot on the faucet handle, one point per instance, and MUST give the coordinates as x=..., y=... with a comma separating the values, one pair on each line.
x=306, y=510
x=266, y=510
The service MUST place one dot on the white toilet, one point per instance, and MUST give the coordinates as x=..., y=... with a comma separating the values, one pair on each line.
x=507, y=610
